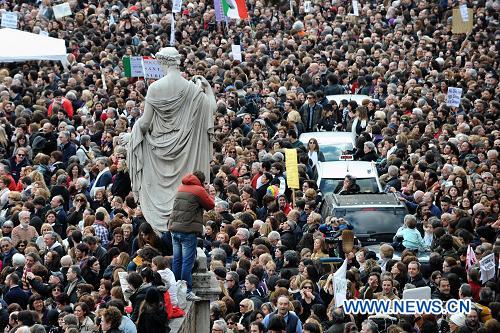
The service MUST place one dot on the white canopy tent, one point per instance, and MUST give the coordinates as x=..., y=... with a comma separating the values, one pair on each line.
x=20, y=46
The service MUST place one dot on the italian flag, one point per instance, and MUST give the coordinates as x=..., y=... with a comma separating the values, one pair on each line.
x=235, y=9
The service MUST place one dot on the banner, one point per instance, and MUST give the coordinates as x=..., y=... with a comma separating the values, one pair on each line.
x=340, y=284
x=133, y=66
x=219, y=14
x=9, y=20
x=471, y=259
x=292, y=168
x=152, y=68
x=172, y=30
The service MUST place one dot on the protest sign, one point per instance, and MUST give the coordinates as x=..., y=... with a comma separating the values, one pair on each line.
x=340, y=285
x=487, y=267
x=454, y=95
x=307, y=6
x=355, y=8
x=9, y=20
x=464, y=13
x=417, y=293
x=133, y=66
x=236, y=50
x=172, y=30
x=176, y=6
x=61, y=10
x=152, y=68
x=459, y=25
x=292, y=168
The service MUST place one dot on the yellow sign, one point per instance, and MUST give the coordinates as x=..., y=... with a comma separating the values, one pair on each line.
x=292, y=168
x=458, y=24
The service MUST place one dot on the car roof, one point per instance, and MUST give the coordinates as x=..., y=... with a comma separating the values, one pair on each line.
x=349, y=97
x=328, y=138
x=370, y=200
x=339, y=169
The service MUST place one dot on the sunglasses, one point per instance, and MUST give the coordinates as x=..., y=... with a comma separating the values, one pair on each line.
x=307, y=287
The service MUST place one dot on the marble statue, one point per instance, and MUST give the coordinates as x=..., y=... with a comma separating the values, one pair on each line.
x=173, y=137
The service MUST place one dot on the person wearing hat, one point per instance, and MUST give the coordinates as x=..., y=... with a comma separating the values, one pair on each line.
x=45, y=289
x=456, y=321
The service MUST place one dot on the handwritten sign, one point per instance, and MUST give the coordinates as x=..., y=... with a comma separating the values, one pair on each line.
x=152, y=69
x=454, y=95
x=236, y=50
x=176, y=6
x=292, y=168
x=62, y=10
x=9, y=20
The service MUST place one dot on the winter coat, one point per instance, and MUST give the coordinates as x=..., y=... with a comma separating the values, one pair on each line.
x=189, y=204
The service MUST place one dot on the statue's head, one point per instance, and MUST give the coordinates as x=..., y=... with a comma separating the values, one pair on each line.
x=168, y=57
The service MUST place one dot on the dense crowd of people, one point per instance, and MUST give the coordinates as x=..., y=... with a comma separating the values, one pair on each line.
x=70, y=225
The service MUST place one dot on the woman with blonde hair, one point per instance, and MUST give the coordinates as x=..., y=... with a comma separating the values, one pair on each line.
x=265, y=229
x=295, y=120
x=319, y=248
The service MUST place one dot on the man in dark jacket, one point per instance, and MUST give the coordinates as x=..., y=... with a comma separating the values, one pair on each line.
x=14, y=293
x=186, y=223
x=415, y=276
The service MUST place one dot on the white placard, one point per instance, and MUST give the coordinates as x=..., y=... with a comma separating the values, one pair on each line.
x=307, y=6
x=487, y=267
x=236, y=50
x=417, y=293
x=454, y=95
x=152, y=69
x=340, y=284
x=61, y=10
x=464, y=12
x=9, y=20
x=122, y=276
x=355, y=8
x=176, y=6
x=172, y=30
x=44, y=33
x=136, y=67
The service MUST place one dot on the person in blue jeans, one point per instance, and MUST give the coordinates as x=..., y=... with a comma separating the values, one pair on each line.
x=186, y=224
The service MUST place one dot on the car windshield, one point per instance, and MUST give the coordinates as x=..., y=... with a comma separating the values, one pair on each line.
x=333, y=152
x=379, y=224
x=366, y=185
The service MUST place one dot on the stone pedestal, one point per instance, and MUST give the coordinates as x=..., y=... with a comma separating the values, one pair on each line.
x=205, y=286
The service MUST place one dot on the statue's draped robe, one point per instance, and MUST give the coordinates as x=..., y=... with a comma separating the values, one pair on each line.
x=179, y=141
